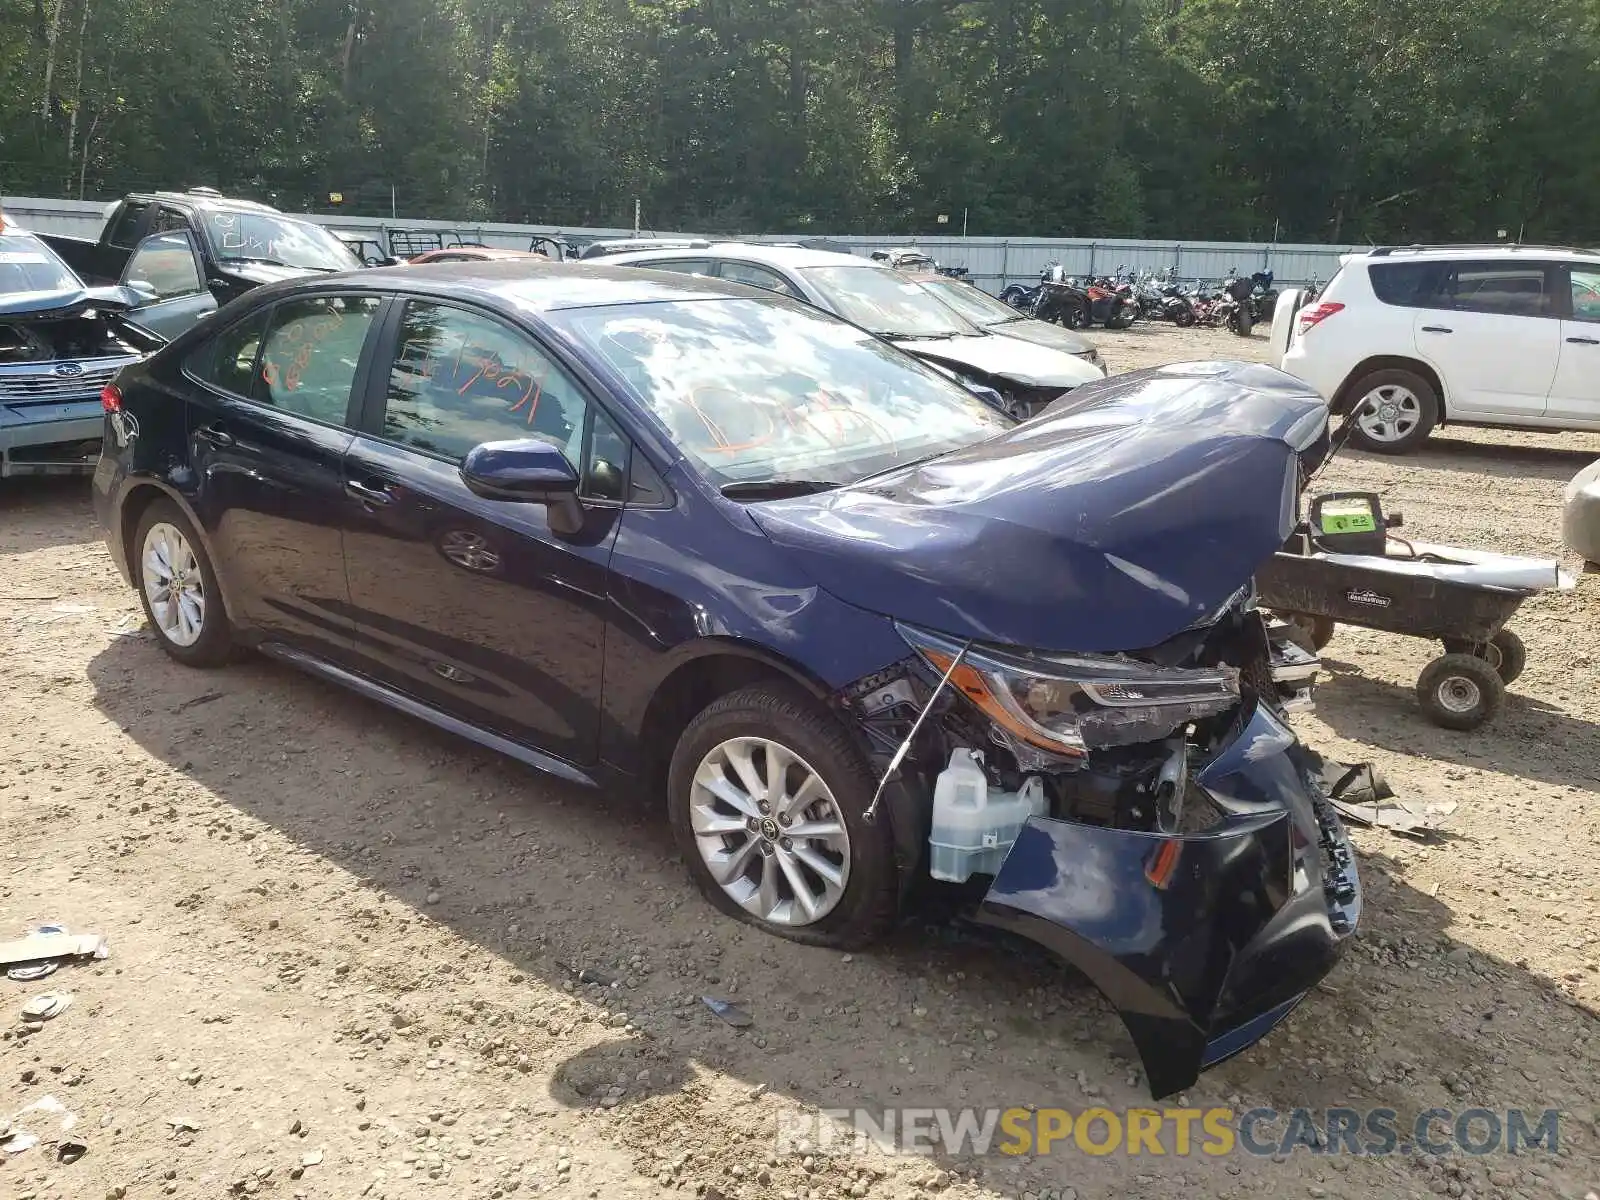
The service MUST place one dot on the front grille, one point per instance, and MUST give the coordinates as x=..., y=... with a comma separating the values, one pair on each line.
x=38, y=381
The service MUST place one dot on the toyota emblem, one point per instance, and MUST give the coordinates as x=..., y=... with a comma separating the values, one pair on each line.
x=69, y=370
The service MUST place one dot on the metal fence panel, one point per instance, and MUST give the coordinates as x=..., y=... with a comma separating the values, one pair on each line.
x=991, y=262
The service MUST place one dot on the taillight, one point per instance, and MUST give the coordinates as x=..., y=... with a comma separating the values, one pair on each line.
x=1312, y=317
x=111, y=398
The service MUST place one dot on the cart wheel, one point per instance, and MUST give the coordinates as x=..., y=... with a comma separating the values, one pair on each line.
x=1460, y=691
x=1317, y=631
x=1504, y=652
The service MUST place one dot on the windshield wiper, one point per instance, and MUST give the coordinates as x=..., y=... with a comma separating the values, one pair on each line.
x=895, y=335
x=777, y=489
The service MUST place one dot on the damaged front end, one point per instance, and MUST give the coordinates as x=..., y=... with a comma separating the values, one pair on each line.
x=57, y=352
x=1184, y=857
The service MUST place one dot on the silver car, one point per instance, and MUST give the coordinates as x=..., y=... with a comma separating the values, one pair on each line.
x=1027, y=376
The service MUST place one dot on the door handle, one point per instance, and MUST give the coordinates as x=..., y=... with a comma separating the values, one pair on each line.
x=1584, y=341
x=215, y=434
x=1436, y=329
x=366, y=493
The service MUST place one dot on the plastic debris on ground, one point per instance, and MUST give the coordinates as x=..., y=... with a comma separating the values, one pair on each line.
x=1361, y=794
x=728, y=1011
x=47, y=1006
x=38, y=1115
x=47, y=948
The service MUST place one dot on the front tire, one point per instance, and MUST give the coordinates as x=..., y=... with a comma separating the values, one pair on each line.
x=1183, y=317
x=1460, y=691
x=765, y=796
x=1393, y=411
x=178, y=588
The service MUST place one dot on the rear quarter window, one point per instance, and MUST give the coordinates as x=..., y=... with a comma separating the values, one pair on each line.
x=1407, y=284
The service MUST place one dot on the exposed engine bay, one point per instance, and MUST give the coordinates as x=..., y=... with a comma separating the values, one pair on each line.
x=90, y=333
x=1135, y=774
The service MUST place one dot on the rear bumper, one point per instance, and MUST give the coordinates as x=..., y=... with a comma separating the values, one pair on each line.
x=50, y=439
x=1320, y=370
x=1201, y=942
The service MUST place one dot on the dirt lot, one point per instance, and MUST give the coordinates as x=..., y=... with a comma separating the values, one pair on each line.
x=344, y=949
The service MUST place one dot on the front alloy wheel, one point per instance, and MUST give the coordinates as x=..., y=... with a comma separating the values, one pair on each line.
x=769, y=831
x=765, y=795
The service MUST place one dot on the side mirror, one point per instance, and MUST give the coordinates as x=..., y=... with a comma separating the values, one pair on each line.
x=528, y=470
x=144, y=289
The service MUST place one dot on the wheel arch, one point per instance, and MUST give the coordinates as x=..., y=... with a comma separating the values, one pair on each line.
x=1345, y=396
x=716, y=667
x=135, y=501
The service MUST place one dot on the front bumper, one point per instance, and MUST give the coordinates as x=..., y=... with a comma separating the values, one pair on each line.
x=1201, y=942
x=50, y=439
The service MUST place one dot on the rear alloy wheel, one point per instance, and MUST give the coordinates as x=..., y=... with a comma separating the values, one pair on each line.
x=1393, y=412
x=765, y=795
x=178, y=589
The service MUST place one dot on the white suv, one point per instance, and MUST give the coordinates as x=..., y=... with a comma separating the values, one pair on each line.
x=1408, y=338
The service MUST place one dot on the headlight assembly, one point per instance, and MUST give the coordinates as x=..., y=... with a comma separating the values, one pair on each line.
x=1070, y=704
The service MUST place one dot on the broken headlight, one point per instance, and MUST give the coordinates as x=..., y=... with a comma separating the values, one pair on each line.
x=1070, y=704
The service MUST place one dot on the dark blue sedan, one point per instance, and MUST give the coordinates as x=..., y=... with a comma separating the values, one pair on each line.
x=814, y=598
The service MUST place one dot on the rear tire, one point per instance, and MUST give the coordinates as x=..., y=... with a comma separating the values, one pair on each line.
x=1183, y=318
x=1460, y=691
x=1403, y=406
x=1504, y=652
x=747, y=731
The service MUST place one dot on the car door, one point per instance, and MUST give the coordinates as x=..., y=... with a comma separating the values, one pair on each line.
x=1491, y=330
x=473, y=606
x=1575, y=394
x=269, y=423
x=167, y=273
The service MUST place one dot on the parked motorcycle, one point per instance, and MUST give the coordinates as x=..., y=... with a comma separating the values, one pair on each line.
x=1263, y=296
x=1235, y=306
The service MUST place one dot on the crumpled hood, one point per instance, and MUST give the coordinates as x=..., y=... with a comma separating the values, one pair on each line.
x=1009, y=358
x=1045, y=333
x=69, y=303
x=1120, y=516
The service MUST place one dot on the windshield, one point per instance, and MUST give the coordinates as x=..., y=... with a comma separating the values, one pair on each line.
x=975, y=305
x=885, y=302
x=269, y=238
x=28, y=265
x=760, y=390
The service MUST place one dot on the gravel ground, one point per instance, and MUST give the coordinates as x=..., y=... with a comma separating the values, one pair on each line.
x=350, y=956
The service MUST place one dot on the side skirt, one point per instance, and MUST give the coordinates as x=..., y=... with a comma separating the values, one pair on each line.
x=547, y=763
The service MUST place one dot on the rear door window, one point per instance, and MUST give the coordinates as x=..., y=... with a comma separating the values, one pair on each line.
x=1517, y=289
x=310, y=355
x=679, y=266
x=754, y=276
x=228, y=361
